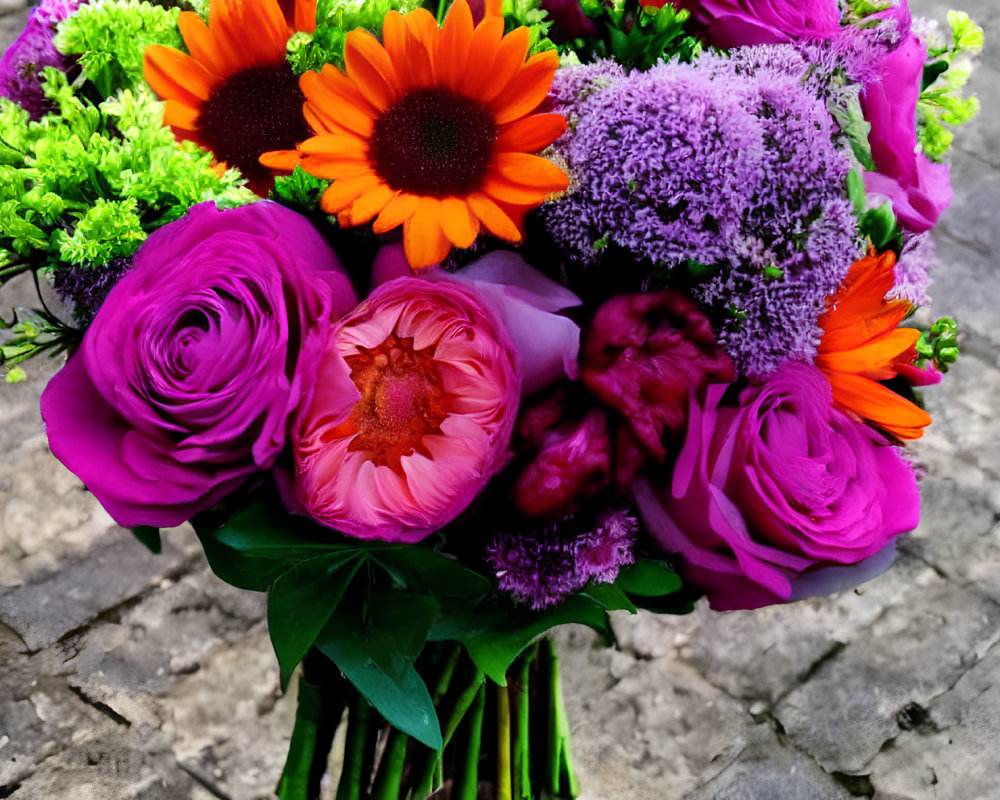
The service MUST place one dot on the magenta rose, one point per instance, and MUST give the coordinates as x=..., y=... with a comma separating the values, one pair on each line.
x=735, y=23
x=920, y=190
x=184, y=381
x=781, y=497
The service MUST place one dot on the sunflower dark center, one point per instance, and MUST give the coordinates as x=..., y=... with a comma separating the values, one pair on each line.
x=254, y=110
x=433, y=142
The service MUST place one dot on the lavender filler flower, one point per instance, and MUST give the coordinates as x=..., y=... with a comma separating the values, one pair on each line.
x=542, y=567
x=31, y=52
x=731, y=165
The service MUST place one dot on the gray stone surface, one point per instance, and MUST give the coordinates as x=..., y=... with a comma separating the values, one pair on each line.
x=127, y=676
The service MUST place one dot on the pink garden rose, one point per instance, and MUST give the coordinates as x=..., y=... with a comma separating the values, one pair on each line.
x=920, y=190
x=186, y=377
x=781, y=497
x=414, y=406
x=735, y=23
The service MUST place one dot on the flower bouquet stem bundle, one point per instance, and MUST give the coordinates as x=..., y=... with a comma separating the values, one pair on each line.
x=448, y=323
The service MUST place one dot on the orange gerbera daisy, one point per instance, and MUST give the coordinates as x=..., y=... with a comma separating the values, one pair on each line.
x=862, y=345
x=433, y=129
x=235, y=95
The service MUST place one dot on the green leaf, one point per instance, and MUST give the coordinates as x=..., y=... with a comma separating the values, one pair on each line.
x=611, y=596
x=377, y=655
x=234, y=567
x=299, y=191
x=647, y=578
x=265, y=529
x=149, y=536
x=422, y=568
x=856, y=190
x=494, y=650
x=300, y=604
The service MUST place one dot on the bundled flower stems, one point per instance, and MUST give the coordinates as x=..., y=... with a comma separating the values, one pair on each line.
x=446, y=323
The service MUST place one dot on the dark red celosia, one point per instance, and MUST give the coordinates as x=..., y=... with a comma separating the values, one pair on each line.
x=642, y=354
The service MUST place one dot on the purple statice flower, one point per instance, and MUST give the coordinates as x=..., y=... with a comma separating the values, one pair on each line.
x=87, y=287
x=32, y=51
x=733, y=163
x=575, y=84
x=544, y=565
x=913, y=268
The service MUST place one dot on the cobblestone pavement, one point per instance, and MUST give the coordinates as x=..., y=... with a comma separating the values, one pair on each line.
x=127, y=676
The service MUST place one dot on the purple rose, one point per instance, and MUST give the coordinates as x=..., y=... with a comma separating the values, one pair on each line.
x=919, y=189
x=31, y=52
x=735, y=23
x=187, y=375
x=781, y=497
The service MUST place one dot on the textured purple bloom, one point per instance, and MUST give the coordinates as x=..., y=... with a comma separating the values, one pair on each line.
x=542, y=567
x=730, y=163
x=913, y=268
x=185, y=380
x=87, y=287
x=31, y=52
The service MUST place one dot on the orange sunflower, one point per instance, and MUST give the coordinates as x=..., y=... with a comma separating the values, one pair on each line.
x=862, y=345
x=433, y=129
x=235, y=95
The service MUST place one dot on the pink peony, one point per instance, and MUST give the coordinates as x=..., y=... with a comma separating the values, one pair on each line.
x=781, y=497
x=186, y=378
x=735, y=23
x=643, y=353
x=413, y=411
x=919, y=189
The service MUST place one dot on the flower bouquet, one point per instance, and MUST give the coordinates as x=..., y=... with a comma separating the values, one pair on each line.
x=446, y=323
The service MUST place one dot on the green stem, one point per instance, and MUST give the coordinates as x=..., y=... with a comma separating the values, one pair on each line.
x=390, y=774
x=560, y=769
x=321, y=699
x=503, y=744
x=521, y=703
x=430, y=772
x=467, y=784
x=462, y=703
x=358, y=722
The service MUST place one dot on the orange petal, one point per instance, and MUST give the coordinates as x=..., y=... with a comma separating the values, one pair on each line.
x=396, y=212
x=882, y=406
x=453, y=48
x=482, y=54
x=370, y=204
x=369, y=66
x=305, y=15
x=179, y=115
x=201, y=44
x=284, y=160
x=494, y=218
x=530, y=134
x=335, y=144
x=504, y=191
x=494, y=8
x=877, y=359
x=527, y=89
x=338, y=101
x=340, y=195
x=394, y=36
x=175, y=76
x=334, y=168
x=510, y=58
x=530, y=171
x=423, y=240
x=421, y=47
x=458, y=222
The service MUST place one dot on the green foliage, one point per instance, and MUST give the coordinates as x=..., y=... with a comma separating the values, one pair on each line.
x=939, y=344
x=31, y=333
x=299, y=191
x=334, y=20
x=636, y=41
x=844, y=104
x=531, y=15
x=942, y=104
x=110, y=38
x=88, y=183
x=149, y=537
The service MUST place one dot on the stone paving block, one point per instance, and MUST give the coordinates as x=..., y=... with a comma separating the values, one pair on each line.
x=924, y=642
x=114, y=570
x=767, y=771
x=644, y=730
x=951, y=749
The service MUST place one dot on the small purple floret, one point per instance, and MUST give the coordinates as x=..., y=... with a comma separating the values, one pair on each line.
x=543, y=566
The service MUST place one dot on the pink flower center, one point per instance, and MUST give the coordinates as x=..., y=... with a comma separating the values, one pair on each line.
x=402, y=400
